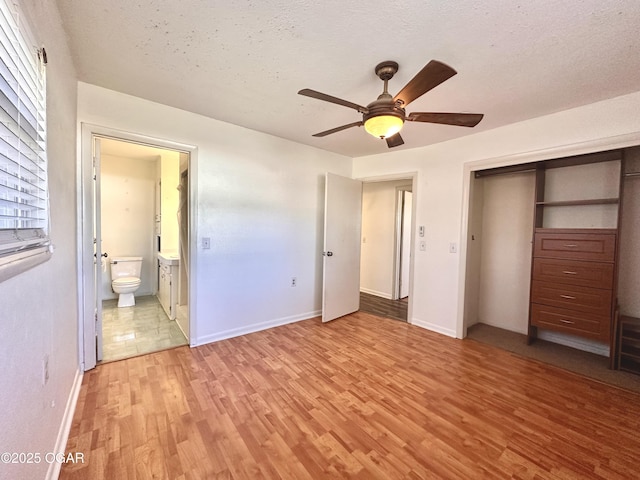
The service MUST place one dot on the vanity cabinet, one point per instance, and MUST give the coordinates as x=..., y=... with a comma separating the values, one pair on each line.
x=168, y=267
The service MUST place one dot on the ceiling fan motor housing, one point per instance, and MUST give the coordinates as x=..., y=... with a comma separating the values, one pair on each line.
x=383, y=106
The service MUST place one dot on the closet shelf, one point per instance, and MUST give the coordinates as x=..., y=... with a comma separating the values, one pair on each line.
x=568, y=203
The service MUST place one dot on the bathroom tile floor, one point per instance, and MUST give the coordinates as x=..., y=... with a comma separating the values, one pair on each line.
x=132, y=331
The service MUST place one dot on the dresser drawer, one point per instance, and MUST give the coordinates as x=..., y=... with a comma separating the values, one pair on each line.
x=582, y=299
x=574, y=272
x=575, y=246
x=560, y=319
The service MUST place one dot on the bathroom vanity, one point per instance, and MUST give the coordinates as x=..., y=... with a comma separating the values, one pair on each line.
x=168, y=275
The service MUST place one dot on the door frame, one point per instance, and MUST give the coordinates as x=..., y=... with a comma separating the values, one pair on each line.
x=410, y=177
x=85, y=214
x=398, y=241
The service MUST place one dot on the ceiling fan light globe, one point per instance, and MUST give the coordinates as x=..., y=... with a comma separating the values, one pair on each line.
x=383, y=126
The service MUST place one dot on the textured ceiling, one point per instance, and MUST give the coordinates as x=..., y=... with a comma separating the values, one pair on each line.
x=243, y=61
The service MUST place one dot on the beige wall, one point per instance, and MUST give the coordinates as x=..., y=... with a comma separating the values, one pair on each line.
x=596, y=180
x=127, y=206
x=377, y=257
x=505, y=252
x=170, y=177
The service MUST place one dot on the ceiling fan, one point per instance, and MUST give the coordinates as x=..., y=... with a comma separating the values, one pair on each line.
x=384, y=117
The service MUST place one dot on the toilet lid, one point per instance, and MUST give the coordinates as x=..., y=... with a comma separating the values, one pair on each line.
x=127, y=281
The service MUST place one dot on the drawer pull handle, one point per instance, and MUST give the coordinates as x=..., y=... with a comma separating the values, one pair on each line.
x=567, y=321
x=567, y=272
x=568, y=297
x=571, y=245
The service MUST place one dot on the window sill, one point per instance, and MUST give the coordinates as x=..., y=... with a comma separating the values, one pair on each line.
x=15, y=264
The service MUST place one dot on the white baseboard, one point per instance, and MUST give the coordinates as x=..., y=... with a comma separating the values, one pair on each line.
x=376, y=293
x=434, y=328
x=256, y=327
x=65, y=427
x=574, y=342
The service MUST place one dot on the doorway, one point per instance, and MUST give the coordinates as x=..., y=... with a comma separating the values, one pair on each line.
x=135, y=204
x=387, y=211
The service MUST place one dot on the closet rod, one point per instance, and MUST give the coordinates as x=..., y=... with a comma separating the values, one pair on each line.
x=501, y=171
x=632, y=174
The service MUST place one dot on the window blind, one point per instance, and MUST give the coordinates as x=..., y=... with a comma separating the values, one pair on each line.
x=24, y=199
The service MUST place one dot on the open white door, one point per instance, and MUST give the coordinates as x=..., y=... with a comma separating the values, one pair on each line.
x=99, y=256
x=341, y=260
x=91, y=255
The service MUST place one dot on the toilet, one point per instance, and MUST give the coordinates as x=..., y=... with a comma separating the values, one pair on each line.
x=125, y=276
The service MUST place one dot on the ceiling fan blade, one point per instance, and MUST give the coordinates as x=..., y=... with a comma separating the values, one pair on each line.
x=432, y=75
x=394, y=141
x=338, y=129
x=459, y=119
x=328, y=98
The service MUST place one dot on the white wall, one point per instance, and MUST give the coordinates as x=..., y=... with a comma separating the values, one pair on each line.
x=39, y=309
x=378, y=237
x=505, y=253
x=127, y=206
x=260, y=200
x=442, y=186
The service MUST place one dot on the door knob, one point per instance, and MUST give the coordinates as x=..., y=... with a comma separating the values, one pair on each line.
x=328, y=254
x=105, y=255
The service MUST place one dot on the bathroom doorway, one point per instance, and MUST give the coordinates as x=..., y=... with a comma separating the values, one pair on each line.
x=140, y=208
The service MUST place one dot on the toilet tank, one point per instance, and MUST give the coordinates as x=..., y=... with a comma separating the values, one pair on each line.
x=125, y=267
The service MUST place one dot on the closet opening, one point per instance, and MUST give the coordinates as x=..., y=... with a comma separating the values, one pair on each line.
x=552, y=258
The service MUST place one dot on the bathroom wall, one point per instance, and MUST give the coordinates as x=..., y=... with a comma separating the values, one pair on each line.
x=127, y=207
x=170, y=179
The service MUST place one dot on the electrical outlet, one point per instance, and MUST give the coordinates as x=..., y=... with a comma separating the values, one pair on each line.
x=294, y=282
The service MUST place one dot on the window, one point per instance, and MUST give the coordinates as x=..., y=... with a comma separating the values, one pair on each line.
x=24, y=197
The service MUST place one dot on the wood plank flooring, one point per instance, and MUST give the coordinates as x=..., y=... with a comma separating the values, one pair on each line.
x=359, y=398
x=383, y=307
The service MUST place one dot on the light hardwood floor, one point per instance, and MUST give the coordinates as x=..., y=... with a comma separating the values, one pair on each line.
x=361, y=397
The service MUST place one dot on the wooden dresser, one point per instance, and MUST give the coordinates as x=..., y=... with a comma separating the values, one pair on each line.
x=575, y=247
x=573, y=281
